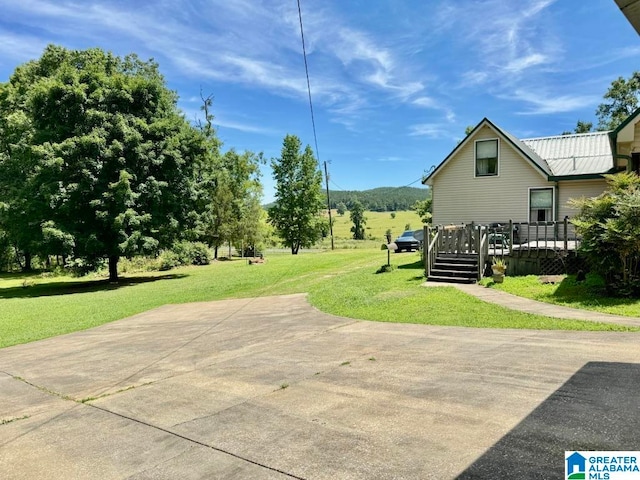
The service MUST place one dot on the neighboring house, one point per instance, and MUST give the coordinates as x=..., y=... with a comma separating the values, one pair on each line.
x=492, y=176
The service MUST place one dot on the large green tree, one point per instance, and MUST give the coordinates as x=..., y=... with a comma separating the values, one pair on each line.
x=423, y=208
x=237, y=199
x=229, y=190
x=21, y=202
x=621, y=100
x=109, y=160
x=298, y=198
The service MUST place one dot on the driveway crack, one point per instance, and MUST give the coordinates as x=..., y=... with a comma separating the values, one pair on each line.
x=197, y=442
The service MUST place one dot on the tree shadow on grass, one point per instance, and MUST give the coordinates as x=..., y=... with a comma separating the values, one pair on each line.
x=69, y=288
x=18, y=275
x=417, y=265
x=589, y=293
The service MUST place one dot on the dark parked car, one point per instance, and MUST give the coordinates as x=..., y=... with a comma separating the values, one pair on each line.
x=407, y=241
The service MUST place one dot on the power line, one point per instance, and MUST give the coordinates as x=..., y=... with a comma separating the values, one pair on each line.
x=409, y=184
x=313, y=122
x=306, y=69
x=403, y=186
x=338, y=186
x=313, y=125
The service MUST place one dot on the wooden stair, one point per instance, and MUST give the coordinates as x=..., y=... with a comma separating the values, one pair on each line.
x=455, y=268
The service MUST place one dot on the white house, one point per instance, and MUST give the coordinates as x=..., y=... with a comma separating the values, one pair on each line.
x=492, y=176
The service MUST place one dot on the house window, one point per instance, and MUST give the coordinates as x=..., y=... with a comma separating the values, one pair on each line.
x=487, y=158
x=541, y=204
x=635, y=162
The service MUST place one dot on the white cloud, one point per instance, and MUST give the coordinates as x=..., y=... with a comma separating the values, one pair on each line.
x=392, y=159
x=430, y=130
x=519, y=57
x=518, y=65
x=508, y=41
x=450, y=116
x=542, y=103
x=612, y=56
x=243, y=42
x=20, y=47
x=431, y=103
x=473, y=78
x=244, y=127
x=426, y=102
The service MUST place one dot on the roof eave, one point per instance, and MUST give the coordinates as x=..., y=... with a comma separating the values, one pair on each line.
x=580, y=176
x=427, y=180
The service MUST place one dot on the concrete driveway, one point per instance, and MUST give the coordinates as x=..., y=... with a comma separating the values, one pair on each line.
x=270, y=388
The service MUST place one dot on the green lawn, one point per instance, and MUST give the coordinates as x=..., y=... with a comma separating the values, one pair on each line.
x=342, y=282
x=589, y=295
x=375, y=228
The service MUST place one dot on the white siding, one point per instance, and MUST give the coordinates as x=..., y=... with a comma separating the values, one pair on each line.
x=460, y=197
x=577, y=189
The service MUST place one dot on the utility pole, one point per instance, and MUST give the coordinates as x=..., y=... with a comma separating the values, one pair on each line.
x=326, y=176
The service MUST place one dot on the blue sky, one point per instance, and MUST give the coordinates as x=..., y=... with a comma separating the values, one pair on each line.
x=394, y=83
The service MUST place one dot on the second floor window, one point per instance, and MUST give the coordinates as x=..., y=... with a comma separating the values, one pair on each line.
x=486, y=158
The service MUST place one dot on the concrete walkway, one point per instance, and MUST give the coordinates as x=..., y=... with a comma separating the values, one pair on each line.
x=271, y=388
x=526, y=305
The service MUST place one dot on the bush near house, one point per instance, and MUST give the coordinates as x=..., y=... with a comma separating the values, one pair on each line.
x=610, y=228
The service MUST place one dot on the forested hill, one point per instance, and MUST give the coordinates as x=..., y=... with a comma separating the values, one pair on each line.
x=383, y=199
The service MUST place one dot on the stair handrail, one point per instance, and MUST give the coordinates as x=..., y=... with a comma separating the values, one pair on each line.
x=432, y=249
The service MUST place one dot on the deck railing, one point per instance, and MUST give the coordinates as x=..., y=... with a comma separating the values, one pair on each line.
x=432, y=244
x=499, y=240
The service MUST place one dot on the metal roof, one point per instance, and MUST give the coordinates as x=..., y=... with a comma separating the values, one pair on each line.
x=537, y=159
x=578, y=154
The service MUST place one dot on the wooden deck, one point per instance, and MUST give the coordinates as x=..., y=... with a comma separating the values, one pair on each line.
x=538, y=248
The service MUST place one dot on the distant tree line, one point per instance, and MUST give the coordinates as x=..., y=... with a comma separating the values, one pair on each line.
x=383, y=199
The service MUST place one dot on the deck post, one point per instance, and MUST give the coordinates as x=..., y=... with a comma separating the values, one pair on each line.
x=479, y=251
x=566, y=234
x=426, y=236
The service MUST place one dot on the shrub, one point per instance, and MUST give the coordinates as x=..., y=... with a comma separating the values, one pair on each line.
x=200, y=254
x=610, y=228
x=168, y=260
x=79, y=267
x=139, y=263
x=192, y=253
x=185, y=253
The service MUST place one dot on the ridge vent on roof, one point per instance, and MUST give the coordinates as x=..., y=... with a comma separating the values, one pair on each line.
x=568, y=135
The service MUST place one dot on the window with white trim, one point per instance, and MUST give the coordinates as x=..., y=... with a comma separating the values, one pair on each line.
x=487, y=158
x=541, y=204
